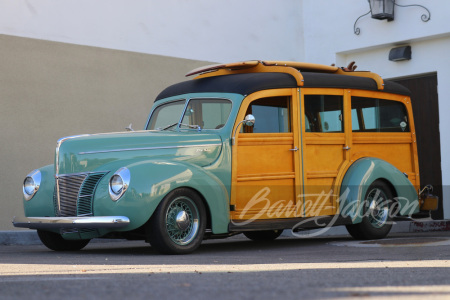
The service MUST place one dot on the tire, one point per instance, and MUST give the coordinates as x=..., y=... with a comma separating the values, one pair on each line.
x=56, y=242
x=265, y=235
x=178, y=223
x=377, y=213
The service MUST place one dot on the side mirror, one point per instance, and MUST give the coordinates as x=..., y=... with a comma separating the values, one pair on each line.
x=249, y=120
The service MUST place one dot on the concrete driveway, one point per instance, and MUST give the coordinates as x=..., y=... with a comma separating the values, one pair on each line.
x=407, y=265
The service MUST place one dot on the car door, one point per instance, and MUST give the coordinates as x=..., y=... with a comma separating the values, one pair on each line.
x=266, y=165
x=326, y=144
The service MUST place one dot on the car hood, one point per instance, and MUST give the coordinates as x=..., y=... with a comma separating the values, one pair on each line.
x=87, y=153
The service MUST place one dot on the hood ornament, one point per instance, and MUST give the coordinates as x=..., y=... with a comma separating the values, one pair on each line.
x=129, y=128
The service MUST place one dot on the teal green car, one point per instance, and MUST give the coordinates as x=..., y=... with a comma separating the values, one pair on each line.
x=212, y=145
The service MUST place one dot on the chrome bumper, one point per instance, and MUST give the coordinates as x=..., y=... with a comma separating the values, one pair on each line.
x=71, y=222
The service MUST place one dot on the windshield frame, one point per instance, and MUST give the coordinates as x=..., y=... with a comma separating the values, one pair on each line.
x=186, y=104
x=186, y=100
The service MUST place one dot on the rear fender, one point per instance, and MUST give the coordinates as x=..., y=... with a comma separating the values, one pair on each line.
x=362, y=174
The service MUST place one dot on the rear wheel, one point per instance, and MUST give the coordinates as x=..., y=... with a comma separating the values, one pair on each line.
x=56, y=242
x=265, y=235
x=377, y=220
x=178, y=224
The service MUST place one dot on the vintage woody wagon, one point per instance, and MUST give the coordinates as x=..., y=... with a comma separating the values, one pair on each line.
x=251, y=147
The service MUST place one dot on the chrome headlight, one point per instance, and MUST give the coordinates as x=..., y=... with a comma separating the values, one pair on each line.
x=118, y=184
x=31, y=184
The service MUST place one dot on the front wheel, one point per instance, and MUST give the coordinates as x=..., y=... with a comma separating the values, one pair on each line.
x=56, y=242
x=377, y=213
x=178, y=224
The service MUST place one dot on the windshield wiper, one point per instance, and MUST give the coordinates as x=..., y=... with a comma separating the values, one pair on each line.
x=182, y=124
x=167, y=127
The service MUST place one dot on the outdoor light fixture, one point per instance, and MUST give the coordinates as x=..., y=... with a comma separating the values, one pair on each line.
x=384, y=10
x=400, y=53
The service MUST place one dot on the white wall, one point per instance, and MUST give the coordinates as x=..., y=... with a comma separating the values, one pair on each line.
x=328, y=26
x=329, y=38
x=220, y=30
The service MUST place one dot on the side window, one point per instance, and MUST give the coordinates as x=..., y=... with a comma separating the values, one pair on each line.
x=324, y=113
x=378, y=115
x=207, y=113
x=272, y=115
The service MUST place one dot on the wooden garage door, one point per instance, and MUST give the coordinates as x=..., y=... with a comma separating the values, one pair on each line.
x=426, y=116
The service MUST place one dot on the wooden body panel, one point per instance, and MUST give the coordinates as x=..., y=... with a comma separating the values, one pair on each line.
x=266, y=169
x=323, y=158
x=397, y=148
x=324, y=161
x=271, y=182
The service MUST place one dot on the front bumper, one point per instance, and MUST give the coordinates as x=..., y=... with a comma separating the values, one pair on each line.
x=71, y=222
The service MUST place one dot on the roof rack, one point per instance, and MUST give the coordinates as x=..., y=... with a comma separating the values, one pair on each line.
x=293, y=68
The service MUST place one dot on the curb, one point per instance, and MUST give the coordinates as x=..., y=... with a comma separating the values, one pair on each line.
x=30, y=237
x=443, y=225
x=19, y=237
x=427, y=225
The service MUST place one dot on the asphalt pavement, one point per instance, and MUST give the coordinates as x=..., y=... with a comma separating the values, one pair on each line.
x=404, y=265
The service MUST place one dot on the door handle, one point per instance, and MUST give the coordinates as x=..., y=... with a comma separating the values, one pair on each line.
x=346, y=148
x=295, y=149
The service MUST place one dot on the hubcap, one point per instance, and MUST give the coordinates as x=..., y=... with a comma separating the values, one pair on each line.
x=182, y=220
x=378, y=210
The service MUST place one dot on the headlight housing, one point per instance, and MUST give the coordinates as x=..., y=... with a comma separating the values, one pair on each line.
x=118, y=184
x=31, y=184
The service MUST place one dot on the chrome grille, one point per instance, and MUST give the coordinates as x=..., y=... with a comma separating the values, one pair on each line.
x=75, y=193
x=86, y=194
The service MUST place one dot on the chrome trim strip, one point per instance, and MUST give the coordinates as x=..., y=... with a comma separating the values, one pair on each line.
x=186, y=104
x=82, y=173
x=58, y=146
x=71, y=222
x=148, y=148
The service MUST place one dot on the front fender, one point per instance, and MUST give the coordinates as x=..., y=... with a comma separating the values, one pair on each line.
x=151, y=181
x=42, y=204
x=362, y=174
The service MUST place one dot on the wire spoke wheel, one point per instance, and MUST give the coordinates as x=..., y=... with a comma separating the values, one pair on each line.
x=376, y=221
x=182, y=221
x=178, y=223
x=378, y=207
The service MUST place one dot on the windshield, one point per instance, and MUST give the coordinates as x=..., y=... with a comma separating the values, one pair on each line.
x=200, y=114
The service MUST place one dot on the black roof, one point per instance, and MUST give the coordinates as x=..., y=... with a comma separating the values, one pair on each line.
x=248, y=83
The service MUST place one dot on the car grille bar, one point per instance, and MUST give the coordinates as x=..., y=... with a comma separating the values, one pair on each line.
x=75, y=193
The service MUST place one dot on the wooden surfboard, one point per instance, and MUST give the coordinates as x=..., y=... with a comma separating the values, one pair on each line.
x=216, y=67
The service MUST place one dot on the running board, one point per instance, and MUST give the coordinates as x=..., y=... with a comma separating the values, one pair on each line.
x=296, y=224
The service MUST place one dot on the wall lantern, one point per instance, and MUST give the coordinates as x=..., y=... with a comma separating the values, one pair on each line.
x=384, y=10
x=400, y=53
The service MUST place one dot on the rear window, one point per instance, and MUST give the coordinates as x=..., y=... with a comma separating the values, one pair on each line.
x=378, y=115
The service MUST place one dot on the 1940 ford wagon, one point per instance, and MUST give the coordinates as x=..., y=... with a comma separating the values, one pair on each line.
x=252, y=147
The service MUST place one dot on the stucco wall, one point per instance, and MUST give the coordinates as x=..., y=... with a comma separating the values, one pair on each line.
x=49, y=90
x=430, y=43
x=231, y=30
